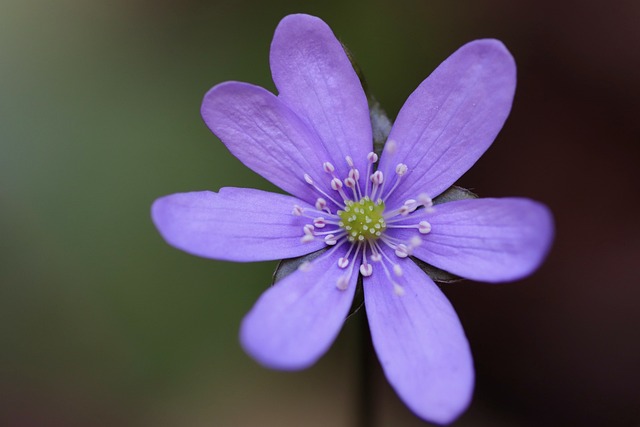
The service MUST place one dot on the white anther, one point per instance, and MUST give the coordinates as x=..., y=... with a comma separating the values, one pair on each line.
x=328, y=167
x=350, y=182
x=349, y=161
x=308, y=229
x=343, y=262
x=376, y=257
x=354, y=174
x=305, y=266
x=391, y=147
x=321, y=203
x=336, y=184
x=410, y=203
x=307, y=238
x=372, y=157
x=343, y=282
x=404, y=210
x=377, y=177
x=330, y=239
x=402, y=250
x=424, y=227
x=415, y=242
x=319, y=222
x=425, y=200
x=308, y=179
x=366, y=270
x=401, y=169
x=399, y=290
x=397, y=270
x=297, y=210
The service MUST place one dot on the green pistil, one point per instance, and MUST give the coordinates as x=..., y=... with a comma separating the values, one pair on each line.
x=362, y=220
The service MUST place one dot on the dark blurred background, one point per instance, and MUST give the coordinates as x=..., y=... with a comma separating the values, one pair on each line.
x=103, y=324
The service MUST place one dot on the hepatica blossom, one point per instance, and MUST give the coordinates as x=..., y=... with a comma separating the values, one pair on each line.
x=314, y=140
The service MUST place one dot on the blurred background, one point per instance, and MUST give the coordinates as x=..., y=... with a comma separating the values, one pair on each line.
x=103, y=324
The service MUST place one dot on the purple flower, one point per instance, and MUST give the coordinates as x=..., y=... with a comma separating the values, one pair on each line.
x=314, y=140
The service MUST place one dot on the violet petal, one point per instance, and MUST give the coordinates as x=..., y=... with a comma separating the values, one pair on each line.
x=267, y=136
x=236, y=224
x=420, y=344
x=316, y=79
x=490, y=240
x=450, y=120
x=295, y=321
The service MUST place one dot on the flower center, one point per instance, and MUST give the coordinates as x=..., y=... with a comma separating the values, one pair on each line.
x=362, y=220
x=348, y=215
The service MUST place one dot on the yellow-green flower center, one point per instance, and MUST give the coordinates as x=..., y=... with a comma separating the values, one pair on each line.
x=362, y=220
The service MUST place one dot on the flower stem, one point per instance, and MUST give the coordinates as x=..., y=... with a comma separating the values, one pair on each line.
x=366, y=365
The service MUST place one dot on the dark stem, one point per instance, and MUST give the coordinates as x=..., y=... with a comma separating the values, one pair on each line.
x=366, y=365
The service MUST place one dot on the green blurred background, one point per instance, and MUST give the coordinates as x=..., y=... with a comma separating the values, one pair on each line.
x=103, y=324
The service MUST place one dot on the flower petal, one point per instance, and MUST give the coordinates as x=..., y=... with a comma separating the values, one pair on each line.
x=316, y=79
x=451, y=119
x=421, y=344
x=491, y=240
x=236, y=224
x=266, y=136
x=295, y=321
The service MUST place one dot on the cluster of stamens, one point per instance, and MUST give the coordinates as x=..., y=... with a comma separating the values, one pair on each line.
x=362, y=221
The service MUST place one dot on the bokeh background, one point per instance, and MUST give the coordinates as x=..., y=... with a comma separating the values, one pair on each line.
x=103, y=324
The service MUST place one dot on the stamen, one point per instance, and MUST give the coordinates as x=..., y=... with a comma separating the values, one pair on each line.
x=330, y=239
x=391, y=147
x=354, y=174
x=328, y=167
x=307, y=238
x=402, y=251
x=401, y=169
x=366, y=269
x=404, y=210
x=321, y=204
x=396, y=267
x=399, y=290
x=425, y=200
x=353, y=185
x=305, y=266
x=343, y=282
x=326, y=232
x=371, y=158
x=309, y=181
x=349, y=161
x=297, y=210
x=350, y=182
x=336, y=184
x=397, y=270
x=424, y=227
x=376, y=178
x=308, y=233
x=319, y=222
x=343, y=262
x=414, y=242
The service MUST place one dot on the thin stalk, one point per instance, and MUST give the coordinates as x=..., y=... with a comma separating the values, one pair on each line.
x=366, y=365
